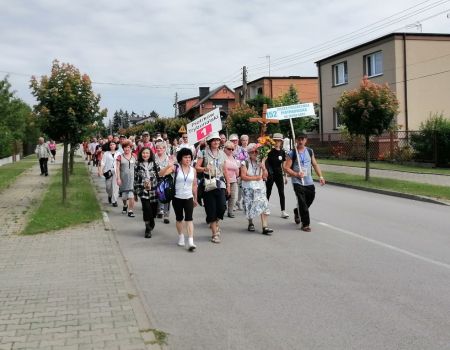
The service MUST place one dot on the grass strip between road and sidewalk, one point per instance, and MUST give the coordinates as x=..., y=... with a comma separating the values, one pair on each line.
x=407, y=187
x=9, y=172
x=386, y=166
x=81, y=204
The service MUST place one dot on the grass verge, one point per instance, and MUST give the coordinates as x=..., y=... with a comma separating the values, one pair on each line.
x=408, y=187
x=81, y=205
x=9, y=172
x=386, y=166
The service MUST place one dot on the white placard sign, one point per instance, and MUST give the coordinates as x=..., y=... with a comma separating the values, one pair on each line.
x=293, y=111
x=201, y=127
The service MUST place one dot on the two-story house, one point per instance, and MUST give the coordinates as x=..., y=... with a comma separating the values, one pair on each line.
x=416, y=67
x=222, y=97
x=274, y=87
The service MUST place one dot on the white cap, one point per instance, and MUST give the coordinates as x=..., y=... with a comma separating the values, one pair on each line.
x=212, y=136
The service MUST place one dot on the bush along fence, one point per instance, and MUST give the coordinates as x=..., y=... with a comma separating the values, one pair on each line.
x=396, y=146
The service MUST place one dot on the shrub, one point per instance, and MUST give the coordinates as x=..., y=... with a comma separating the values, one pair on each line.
x=433, y=140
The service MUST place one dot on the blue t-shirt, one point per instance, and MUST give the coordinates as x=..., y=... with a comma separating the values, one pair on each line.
x=305, y=161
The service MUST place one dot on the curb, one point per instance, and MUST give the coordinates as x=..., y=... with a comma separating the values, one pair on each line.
x=135, y=296
x=399, y=171
x=391, y=193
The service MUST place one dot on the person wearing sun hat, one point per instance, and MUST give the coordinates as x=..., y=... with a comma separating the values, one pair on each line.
x=274, y=164
x=212, y=164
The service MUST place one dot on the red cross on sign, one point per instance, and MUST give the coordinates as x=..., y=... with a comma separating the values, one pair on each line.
x=203, y=132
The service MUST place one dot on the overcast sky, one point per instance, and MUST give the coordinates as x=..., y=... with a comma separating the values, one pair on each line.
x=146, y=51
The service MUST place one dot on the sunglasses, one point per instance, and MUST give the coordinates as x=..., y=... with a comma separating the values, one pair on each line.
x=230, y=149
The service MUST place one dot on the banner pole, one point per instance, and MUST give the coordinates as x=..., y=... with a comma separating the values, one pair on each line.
x=295, y=147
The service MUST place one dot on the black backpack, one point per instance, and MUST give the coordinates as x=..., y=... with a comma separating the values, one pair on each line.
x=165, y=190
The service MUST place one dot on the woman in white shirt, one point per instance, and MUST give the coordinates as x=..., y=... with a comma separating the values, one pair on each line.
x=107, y=170
x=185, y=198
x=253, y=174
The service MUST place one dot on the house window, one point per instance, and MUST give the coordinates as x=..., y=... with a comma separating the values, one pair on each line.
x=340, y=75
x=260, y=91
x=373, y=64
x=336, y=118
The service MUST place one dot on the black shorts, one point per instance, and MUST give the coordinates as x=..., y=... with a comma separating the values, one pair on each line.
x=214, y=202
x=53, y=152
x=180, y=205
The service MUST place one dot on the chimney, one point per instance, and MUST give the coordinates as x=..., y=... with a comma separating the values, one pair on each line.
x=203, y=92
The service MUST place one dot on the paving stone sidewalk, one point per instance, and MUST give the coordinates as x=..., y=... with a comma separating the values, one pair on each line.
x=432, y=179
x=68, y=289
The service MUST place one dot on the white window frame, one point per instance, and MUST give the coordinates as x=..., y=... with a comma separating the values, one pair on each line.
x=370, y=64
x=340, y=71
x=336, y=114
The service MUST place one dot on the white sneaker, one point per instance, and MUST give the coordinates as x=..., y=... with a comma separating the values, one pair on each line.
x=284, y=215
x=191, y=245
x=181, y=240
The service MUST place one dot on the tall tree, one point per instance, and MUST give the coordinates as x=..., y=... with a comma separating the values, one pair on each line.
x=367, y=111
x=153, y=115
x=117, y=120
x=66, y=107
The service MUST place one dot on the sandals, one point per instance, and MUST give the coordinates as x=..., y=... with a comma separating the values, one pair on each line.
x=305, y=228
x=251, y=227
x=216, y=237
x=267, y=231
x=131, y=214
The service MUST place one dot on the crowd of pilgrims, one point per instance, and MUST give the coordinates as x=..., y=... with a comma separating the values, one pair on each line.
x=222, y=175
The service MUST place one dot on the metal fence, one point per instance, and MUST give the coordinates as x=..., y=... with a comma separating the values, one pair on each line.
x=399, y=146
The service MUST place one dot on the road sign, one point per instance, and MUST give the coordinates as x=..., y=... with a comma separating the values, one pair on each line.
x=182, y=129
x=201, y=127
x=293, y=111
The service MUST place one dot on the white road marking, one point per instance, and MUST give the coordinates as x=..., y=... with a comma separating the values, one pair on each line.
x=388, y=246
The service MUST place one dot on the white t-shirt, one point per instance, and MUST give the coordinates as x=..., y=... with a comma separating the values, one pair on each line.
x=183, y=183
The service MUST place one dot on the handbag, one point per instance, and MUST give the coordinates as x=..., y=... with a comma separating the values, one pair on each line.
x=108, y=174
x=211, y=183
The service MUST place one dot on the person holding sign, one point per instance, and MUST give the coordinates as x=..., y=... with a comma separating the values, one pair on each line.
x=298, y=165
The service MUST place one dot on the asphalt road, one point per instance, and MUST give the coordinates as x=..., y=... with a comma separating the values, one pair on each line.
x=373, y=274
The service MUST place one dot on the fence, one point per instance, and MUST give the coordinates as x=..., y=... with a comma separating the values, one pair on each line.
x=399, y=146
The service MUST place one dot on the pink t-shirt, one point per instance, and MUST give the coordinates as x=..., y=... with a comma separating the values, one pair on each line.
x=232, y=166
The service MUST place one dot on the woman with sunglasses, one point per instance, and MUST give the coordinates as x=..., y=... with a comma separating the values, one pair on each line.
x=232, y=168
x=253, y=174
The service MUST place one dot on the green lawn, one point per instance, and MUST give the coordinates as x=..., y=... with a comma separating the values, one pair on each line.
x=434, y=191
x=81, y=205
x=9, y=172
x=386, y=166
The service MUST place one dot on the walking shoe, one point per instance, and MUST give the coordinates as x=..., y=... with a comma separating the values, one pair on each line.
x=251, y=227
x=296, y=216
x=305, y=228
x=114, y=204
x=231, y=215
x=160, y=215
x=124, y=210
x=148, y=231
x=166, y=221
x=131, y=214
x=284, y=215
x=181, y=240
x=191, y=245
x=267, y=231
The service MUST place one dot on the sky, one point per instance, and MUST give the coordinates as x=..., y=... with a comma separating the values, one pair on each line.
x=139, y=54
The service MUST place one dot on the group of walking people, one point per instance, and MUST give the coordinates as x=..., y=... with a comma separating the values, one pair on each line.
x=224, y=176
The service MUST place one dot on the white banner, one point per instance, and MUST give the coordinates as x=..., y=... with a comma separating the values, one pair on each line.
x=293, y=111
x=201, y=127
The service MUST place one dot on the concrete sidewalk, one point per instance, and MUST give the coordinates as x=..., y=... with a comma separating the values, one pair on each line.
x=68, y=289
x=432, y=179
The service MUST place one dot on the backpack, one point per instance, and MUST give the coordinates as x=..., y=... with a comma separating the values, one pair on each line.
x=165, y=190
x=294, y=155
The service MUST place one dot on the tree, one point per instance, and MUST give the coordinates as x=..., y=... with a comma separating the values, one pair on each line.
x=126, y=120
x=367, y=111
x=153, y=115
x=238, y=120
x=66, y=107
x=117, y=120
x=14, y=114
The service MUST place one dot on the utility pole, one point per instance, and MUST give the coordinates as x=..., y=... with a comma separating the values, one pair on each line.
x=244, y=85
x=268, y=57
x=175, y=105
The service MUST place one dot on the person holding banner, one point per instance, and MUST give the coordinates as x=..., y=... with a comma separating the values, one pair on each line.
x=211, y=163
x=298, y=165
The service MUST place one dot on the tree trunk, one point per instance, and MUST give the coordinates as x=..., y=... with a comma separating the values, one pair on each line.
x=367, y=157
x=64, y=173
x=72, y=154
